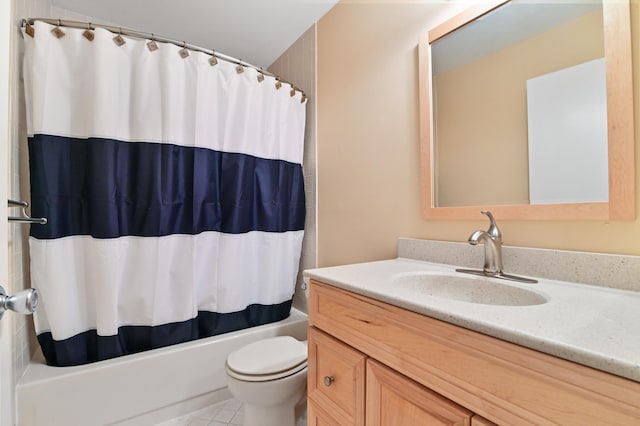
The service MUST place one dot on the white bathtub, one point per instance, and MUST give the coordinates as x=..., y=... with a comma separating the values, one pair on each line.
x=140, y=389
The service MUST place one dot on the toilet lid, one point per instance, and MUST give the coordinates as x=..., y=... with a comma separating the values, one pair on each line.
x=268, y=357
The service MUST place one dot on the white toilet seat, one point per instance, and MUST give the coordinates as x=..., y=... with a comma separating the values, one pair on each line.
x=269, y=359
x=265, y=377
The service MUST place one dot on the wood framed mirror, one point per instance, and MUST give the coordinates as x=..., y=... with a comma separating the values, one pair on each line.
x=618, y=124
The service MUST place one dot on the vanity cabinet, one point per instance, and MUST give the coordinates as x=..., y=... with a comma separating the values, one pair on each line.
x=371, y=363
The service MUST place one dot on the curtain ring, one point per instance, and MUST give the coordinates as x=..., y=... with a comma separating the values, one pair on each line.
x=28, y=28
x=118, y=40
x=184, y=52
x=152, y=45
x=213, y=60
x=57, y=31
x=88, y=34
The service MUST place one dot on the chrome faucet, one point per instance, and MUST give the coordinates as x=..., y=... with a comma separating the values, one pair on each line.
x=492, y=241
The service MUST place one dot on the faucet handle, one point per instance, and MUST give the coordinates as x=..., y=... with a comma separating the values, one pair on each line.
x=493, y=230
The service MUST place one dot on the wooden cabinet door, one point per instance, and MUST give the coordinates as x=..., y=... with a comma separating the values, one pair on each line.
x=316, y=416
x=336, y=378
x=396, y=400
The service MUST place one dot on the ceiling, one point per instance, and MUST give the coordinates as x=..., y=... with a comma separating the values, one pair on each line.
x=256, y=31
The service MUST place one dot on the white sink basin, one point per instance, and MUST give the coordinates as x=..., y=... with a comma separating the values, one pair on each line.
x=468, y=289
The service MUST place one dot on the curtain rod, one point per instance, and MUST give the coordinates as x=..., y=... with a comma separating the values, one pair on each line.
x=155, y=37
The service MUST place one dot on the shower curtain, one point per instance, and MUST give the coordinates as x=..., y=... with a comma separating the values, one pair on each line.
x=173, y=189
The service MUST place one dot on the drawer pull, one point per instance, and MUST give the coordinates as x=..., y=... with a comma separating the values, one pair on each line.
x=328, y=380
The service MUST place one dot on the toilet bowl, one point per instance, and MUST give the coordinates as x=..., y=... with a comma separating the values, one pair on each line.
x=270, y=378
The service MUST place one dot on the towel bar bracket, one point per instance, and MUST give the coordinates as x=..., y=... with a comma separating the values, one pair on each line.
x=25, y=218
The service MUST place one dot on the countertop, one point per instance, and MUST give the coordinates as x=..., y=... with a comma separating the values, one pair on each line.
x=594, y=326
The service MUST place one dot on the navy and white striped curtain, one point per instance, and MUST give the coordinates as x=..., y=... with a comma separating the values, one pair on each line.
x=174, y=193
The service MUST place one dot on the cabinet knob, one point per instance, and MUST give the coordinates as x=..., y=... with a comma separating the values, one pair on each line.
x=328, y=380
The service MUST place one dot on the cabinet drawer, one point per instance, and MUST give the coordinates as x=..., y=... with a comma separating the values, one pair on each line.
x=336, y=378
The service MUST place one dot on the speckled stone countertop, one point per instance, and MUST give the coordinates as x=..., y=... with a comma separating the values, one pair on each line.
x=590, y=325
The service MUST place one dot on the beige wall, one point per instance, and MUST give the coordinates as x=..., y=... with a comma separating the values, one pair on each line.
x=368, y=145
x=482, y=113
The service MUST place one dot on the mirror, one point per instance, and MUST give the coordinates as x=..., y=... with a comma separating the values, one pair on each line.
x=497, y=112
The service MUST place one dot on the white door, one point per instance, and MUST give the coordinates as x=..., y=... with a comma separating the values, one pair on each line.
x=6, y=329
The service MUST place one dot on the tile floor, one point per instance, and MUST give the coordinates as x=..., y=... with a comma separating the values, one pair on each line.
x=224, y=413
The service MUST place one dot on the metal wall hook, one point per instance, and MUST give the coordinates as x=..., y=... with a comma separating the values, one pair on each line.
x=25, y=218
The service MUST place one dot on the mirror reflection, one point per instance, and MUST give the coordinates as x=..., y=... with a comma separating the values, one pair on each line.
x=519, y=107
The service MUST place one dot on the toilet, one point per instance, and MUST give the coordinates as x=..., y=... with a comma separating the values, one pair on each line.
x=270, y=378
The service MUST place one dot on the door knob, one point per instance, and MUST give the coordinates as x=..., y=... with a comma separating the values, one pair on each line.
x=24, y=302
